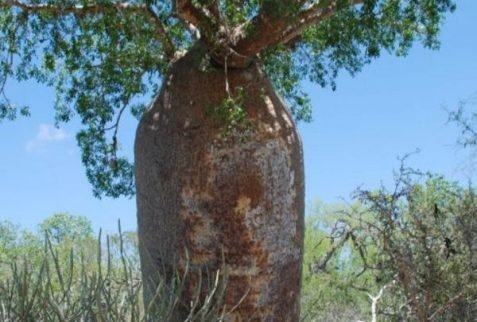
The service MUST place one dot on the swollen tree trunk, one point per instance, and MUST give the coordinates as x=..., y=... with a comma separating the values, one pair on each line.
x=213, y=199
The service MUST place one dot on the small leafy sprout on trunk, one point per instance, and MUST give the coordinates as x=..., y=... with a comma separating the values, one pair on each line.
x=232, y=117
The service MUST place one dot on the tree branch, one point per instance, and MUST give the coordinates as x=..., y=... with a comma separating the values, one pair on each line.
x=375, y=299
x=320, y=265
x=444, y=307
x=206, y=18
x=311, y=16
x=77, y=10
x=269, y=32
x=213, y=31
x=264, y=27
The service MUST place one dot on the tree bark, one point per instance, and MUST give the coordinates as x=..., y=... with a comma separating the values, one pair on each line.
x=209, y=202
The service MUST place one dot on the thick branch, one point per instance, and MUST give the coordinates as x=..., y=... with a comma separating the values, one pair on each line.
x=263, y=27
x=205, y=18
x=268, y=32
x=161, y=32
x=213, y=31
x=309, y=17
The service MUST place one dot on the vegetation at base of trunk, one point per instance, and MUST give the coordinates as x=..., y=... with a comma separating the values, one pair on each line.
x=411, y=249
x=79, y=277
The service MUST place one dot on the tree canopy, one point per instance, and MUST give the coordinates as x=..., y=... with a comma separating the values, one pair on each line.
x=105, y=57
x=62, y=226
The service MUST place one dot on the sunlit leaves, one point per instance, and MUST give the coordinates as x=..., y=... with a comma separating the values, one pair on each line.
x=239, y=11
x=109, y=174
x=280, y=66
x=354, y=36
x=101, y=62
x=98, y=63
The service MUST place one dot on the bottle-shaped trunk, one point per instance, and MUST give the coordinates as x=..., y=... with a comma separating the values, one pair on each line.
x=219, y=192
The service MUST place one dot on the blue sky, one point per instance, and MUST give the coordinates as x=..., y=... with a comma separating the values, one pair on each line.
x=392, y=107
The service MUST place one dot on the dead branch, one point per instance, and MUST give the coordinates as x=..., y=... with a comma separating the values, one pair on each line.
x=375, y=299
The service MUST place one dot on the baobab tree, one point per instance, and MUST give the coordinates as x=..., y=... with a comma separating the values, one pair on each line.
x=218, y=161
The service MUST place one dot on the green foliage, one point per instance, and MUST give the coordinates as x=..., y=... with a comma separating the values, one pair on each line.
x=77, y=277
x=97, y=63
x=327, y=290
x=415, y=242
x=238, y=11
x=64, y=231
x=357, y=34
x=109, y=174
x=280, y=65
x=63, y=226
x=423, y=243
x=8, y=241
x=104, y=58
x=62, y=286
x=231, y=116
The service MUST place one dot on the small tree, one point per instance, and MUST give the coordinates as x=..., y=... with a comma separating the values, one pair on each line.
x=63, y=226
x=331, y=268
x=418, y=243
x=8, y=244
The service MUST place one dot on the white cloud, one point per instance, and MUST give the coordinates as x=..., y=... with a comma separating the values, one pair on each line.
x=46, y=134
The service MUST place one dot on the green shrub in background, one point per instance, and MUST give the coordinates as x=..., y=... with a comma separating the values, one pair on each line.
x=330, y=270
x=63, y=274
x=408, y=253
x=404, y=254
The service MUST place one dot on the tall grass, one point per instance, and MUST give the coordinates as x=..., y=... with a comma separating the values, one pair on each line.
x=94, y=283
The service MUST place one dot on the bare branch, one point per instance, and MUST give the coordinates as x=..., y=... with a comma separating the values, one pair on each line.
x=446, y=306
x=323, y=262
x=78, y=10
x=375, y=299
x=362, y=255
x=115, y=127
x=264, y=27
